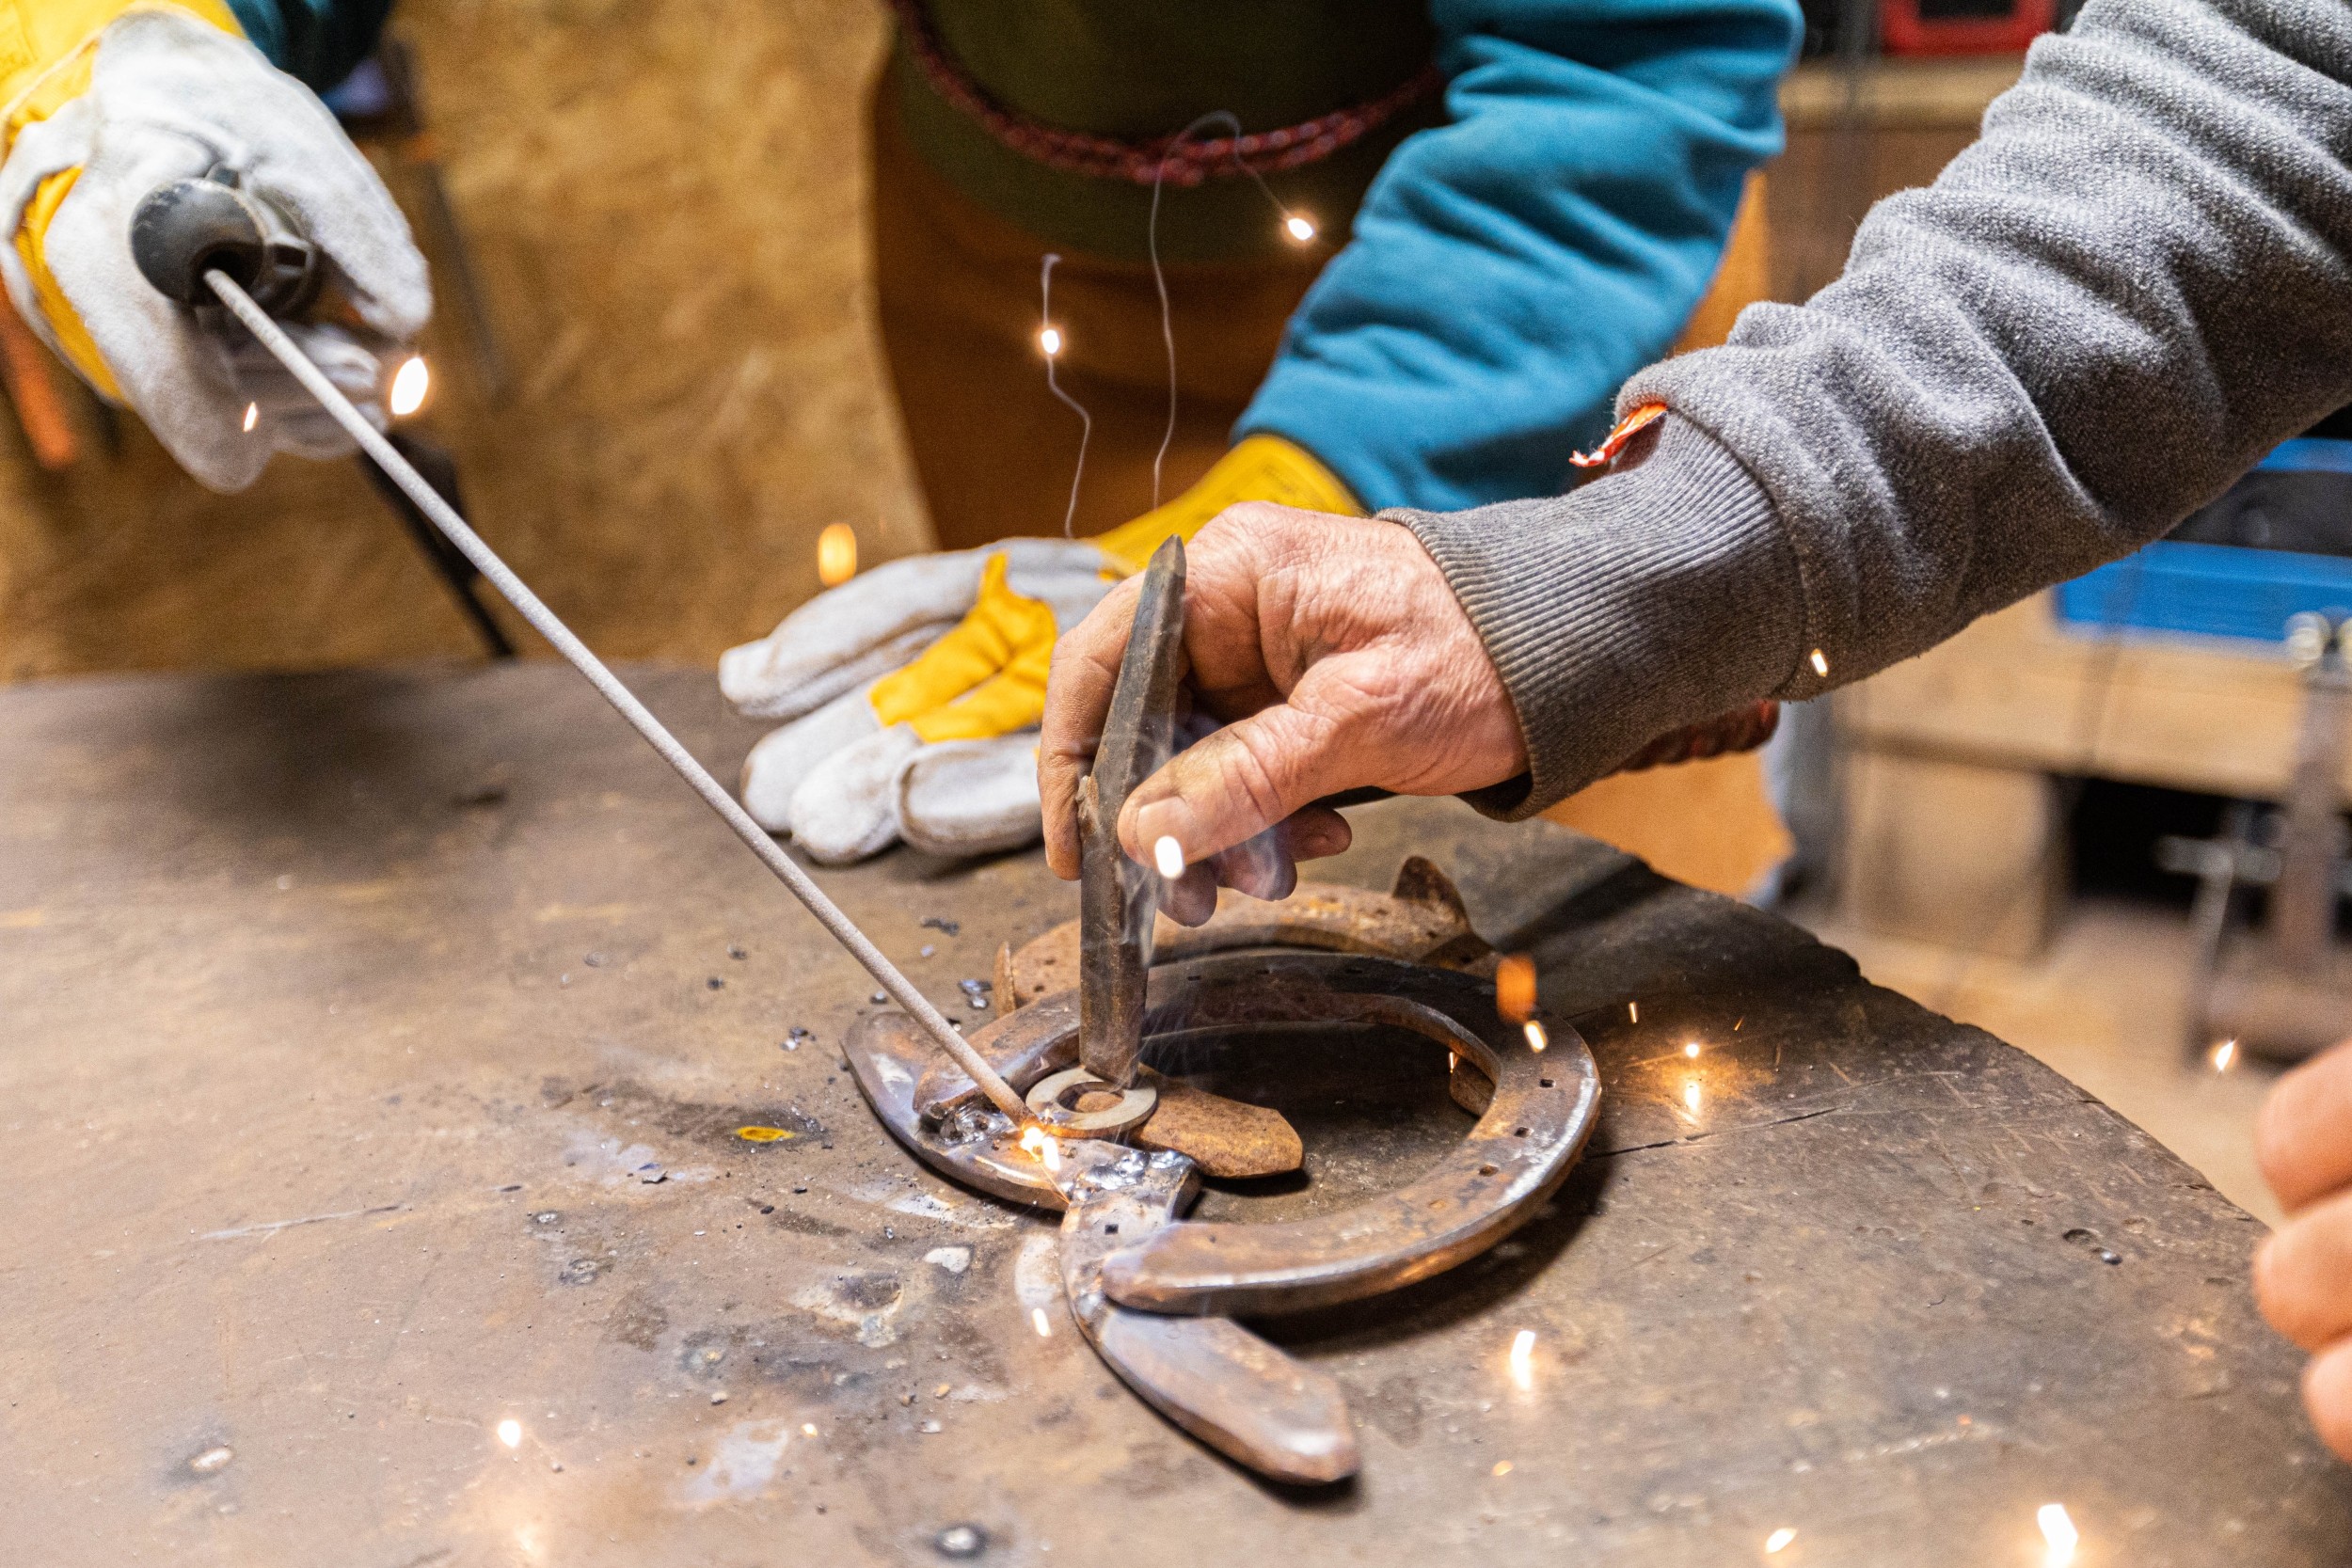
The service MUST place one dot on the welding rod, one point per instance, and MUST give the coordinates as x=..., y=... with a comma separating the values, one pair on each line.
x=543, y=620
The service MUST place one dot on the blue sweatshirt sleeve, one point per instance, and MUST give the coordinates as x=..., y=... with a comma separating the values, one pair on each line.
x=317, y=41
x=1510, y=268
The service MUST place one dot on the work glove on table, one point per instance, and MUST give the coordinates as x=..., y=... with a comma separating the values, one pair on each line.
x=914, y=690
x=111, y=100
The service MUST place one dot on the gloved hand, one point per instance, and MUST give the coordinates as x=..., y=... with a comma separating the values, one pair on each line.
x=915, y=690
x=110, y=103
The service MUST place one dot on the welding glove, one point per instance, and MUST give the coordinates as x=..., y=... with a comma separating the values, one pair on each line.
x=110, y=99
x=914, y=690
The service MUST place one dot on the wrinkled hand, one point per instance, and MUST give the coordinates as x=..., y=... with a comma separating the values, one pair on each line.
x=914, y=690
x=1335, y=655
x=2303, y=1275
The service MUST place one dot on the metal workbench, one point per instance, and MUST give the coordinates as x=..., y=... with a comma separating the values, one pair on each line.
x=373, y=1053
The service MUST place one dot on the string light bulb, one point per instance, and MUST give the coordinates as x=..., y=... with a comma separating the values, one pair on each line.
x=411, y=383
x=1692, y=1050
x=1049, y=341
x=1299, y=227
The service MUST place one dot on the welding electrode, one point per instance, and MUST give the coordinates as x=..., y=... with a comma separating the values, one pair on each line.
x=177, y=256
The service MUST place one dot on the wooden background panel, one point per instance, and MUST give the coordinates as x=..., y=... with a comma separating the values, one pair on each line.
x=666, y=206
x=2013, y=691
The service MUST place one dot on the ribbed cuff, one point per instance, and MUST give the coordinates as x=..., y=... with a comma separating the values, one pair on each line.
x=1658, y=595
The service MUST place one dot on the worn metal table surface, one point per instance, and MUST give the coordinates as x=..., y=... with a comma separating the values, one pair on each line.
x=344, y=1020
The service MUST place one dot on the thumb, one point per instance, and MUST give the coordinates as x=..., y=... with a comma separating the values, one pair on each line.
x=1235, y=784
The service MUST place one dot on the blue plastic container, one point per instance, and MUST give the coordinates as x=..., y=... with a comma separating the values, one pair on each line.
x=2201, y=590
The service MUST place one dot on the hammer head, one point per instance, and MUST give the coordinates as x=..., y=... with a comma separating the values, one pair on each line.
x=1118, y=900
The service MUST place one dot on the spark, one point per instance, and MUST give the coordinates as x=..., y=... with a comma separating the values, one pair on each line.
x=2058, y=1534
x=1036, y=1321
x=1778, y=1540
x=1523, y=1359
x=511, y=1432
x=808, y=1429
x=1692, y=1051
x=1536, y=1039
x=252, y=416
x=1168, y=856
x=1515, y=988
x=837, y=554
x=1633, y=1012
x=1503, y=1466
x=1819, y=662
x=2223, y=1054
x=1302, y=229
x=1049, y=339
x=1691, y=1095
x=410, y=383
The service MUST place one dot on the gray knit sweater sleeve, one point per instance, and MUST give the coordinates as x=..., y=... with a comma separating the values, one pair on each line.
x=2136, y=281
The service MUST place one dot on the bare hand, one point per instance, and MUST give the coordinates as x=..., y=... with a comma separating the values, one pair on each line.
x=2303, y=1275
x=1336, y=655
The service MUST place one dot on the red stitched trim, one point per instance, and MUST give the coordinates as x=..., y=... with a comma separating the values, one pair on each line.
x=1190, y=163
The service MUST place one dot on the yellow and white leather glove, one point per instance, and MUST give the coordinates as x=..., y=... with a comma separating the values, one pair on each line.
x=914, y=690
x=110, y=98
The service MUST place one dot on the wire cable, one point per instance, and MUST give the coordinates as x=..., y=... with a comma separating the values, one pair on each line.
x=545, y=620
x=1051, y=346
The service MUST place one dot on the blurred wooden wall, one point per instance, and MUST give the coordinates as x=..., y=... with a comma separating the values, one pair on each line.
x=666, y=207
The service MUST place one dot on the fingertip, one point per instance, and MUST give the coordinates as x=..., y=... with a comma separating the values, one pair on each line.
x=2303, y=1133
x=1191, y=898
x=2328, y=1397
x=1260, y=867
x=1316, y=832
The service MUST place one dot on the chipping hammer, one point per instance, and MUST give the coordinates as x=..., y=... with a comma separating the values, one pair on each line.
x=210, y=239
